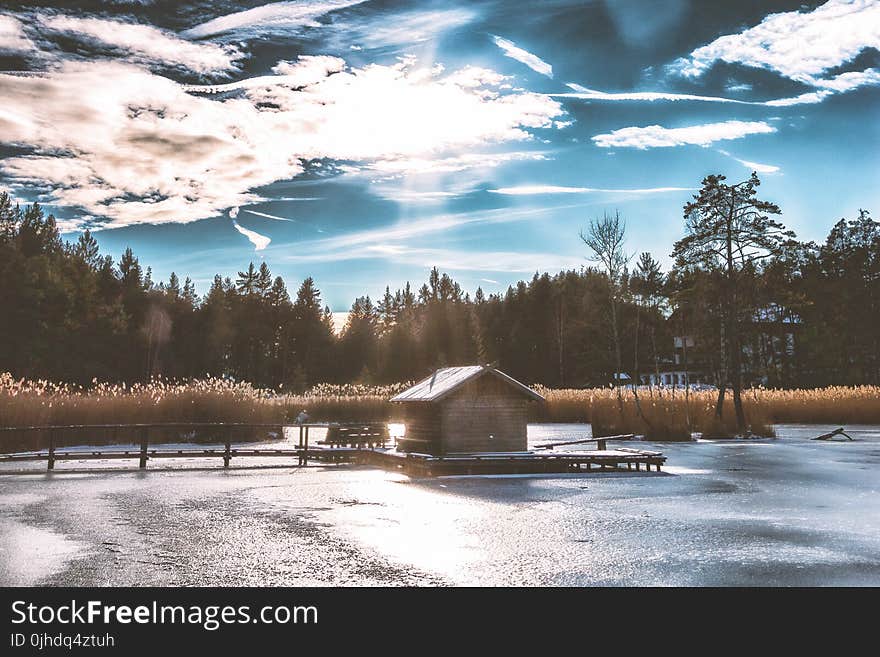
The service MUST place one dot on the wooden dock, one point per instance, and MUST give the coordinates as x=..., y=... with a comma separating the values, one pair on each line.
x=427, y=465
x=548, y=461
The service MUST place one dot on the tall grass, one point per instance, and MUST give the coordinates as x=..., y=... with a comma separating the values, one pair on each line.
x=26, y=403
x=664, y=413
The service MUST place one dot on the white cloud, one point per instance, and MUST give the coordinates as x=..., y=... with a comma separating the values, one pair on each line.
x=752, y=166
x=450, y=259
x=272, y=17
x=412, y=196
x=584, y=93
x=307, y=70
x=268, y=216
x=529, y=190
x=592, y=94
x=799, y=45
x=133, y=147
x=655, y=136
x=850, y=80
x=260, y=242
x=381, y=30
x=757, y=166
x=523, y=56
x=12, y=36
x=451, y=164
x=488, y=261
x=342, y=246
x=809, y=98
x=147, y=43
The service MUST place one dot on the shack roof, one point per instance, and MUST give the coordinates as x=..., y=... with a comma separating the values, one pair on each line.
x=445, y=381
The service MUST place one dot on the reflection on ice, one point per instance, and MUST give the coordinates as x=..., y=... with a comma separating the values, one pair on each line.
x=789, y=511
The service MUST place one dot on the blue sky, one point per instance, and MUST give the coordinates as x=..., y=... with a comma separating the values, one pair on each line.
x=362, y=143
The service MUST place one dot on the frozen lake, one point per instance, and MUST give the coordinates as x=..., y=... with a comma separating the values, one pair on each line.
x=788, y=511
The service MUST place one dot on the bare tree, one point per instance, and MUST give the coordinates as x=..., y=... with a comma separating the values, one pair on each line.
x=605, y=238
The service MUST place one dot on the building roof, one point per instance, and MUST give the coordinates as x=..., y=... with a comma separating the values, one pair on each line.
x=445, y=381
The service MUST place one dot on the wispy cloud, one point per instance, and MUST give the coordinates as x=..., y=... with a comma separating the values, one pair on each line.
x=450, y=164
x=529, y=190
x=272, y=17
x=307, y=70
x=268, y=216
x=800, y=45
x=655, y=136
x=583, y=93
x=146, y=43
x=260, y=242
x=412, y=196
x=450, y=259
x=809, y=98
x=375, y=31
x=396, y=237
x=523, y=56
x=488, y=261
x=752, y=166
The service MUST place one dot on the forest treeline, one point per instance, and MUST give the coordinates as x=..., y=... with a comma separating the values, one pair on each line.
x=805, y=314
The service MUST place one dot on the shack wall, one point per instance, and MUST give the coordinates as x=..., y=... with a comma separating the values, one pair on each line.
x=484, y=415
x=422, y=421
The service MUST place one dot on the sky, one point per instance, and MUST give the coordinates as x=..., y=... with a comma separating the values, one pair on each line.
x=362, y=143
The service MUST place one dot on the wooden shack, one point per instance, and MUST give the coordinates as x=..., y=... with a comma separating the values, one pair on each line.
x=466, y=410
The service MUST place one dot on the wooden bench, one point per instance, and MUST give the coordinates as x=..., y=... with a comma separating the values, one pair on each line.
x=369, y=435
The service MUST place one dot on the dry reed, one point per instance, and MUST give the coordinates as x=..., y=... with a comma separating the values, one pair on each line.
x=665, y=415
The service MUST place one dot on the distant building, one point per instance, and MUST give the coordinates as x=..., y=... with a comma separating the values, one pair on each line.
x=674, y=372
x=466, y=410
x=769, y=344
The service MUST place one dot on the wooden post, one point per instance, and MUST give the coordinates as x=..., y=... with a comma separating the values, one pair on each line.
x=306, y=448
x=144, y=442
x=300, y=445
x=227, y=454
x=600, y=444
x=51, y=463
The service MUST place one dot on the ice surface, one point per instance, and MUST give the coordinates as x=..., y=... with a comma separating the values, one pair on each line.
x=787, y=511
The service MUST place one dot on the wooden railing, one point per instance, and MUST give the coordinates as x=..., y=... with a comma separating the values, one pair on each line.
x=143, y=454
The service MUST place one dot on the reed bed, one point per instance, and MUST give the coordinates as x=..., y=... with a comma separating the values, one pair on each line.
x=665, y=413
x=668, y=414
x=26, y=403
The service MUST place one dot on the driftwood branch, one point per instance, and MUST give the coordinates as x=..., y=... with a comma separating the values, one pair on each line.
x=623, y=436
x=831, y=434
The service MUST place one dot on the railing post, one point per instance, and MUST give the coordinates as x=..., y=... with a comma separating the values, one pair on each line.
x=306, y=448
x=300, y=445
x=601, y=444
x=51, y=462
x=228, y=453
x=144, y=442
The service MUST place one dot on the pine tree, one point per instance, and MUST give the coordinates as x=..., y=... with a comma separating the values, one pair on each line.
x=86, y=249
x=246, y=283
x=173, y=287
x=728, y=231
x=264, y=280
x=10, y=216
